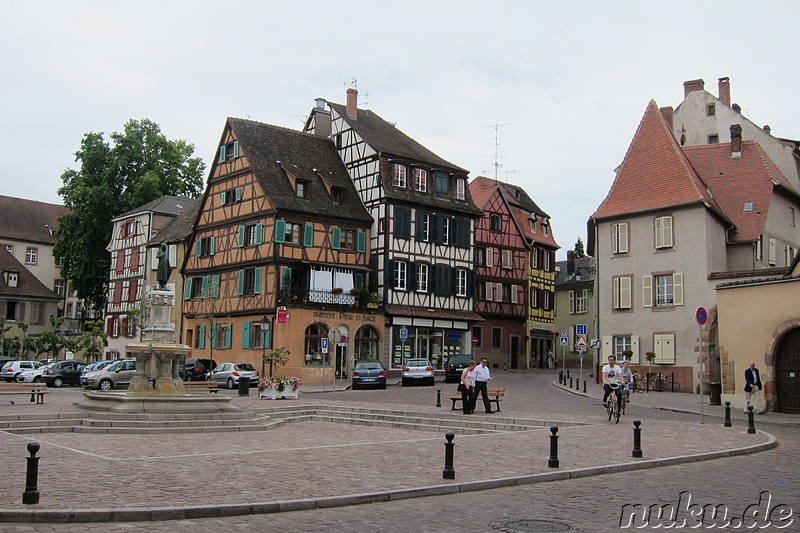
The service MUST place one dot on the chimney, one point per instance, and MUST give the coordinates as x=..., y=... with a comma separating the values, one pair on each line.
x=767, y=129
x=725, y=91
x=737, y=108
x=322, y=118
x=352, y=103
x=570, y=262
x=667, y=113
x=692, y=86
x=736, y=140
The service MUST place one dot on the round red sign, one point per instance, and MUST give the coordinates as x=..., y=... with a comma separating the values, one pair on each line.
x=701, y=315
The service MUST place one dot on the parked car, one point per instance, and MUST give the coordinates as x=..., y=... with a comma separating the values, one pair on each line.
x=228, y=374
x=63, y=373
x=12, y=369
x=455, y=366
x=117, y=374
x=97, y=365
x=198, y=369
x=370, y=373
x=417, y=370
x=33, y=376
x=5, y=359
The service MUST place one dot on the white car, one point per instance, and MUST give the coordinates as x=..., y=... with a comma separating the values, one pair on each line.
x=12, y=369
x=418, y=370
x=32, y=376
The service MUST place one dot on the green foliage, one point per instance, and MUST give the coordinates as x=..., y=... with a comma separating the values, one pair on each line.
x=91, y=343
x=52, y=342
x=579, y=250
x=276, y=357
x=140, y=165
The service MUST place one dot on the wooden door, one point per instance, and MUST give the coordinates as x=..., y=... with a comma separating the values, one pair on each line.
x=787, y=373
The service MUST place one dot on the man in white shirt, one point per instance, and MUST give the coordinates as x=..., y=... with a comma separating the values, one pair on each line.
x=612, y=375
x=482, y=377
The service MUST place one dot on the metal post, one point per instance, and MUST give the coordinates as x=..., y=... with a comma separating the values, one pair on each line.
x=438, y=397
x=672, y=384
x=578, y=385
x=553, y=462
x=637, y=438
x=570, y=383
x=560, y=377
x=751, y=423
x=449, y=472
x=702, y=375
x=727, y=423
x=31, y=494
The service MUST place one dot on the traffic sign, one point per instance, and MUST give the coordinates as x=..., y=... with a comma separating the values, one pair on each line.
x=403, y=334
x=564, y=341
x=581, y=343
x=581, y=329
x=283, y=314
x=475, y=340
x=323, y=344
x=701, y=316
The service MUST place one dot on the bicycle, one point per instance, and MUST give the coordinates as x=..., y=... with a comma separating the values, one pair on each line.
x=614, y=406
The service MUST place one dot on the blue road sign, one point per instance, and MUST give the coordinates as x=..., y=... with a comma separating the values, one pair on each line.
x=581, y=329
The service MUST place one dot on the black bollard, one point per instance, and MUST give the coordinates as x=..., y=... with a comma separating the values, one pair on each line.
x=584, y=386
x=560, y=377
x=751, y=424
x=553, y=462
x=568, y=374
x=448, y=472
x=637, y=438
x=727, y=423
x=570, y=383
x=438, y=397
x=577, y=384
x=31, y=494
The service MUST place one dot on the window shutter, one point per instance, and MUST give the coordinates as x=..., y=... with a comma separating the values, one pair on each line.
x=336, y=238
x=259, y=233
x=187, y=290
x=109, y=324
x=402, y=223
x=201, y=337
x=242, y=229
x=434, y=234
x=204, y=288
x=308, y=235
x=241, y=282
x=237, y=192
x=361, y=241
x=462, y=232
x=215, y=282
x=572, y=302
x=222, y=154
x=214, y=335
x=359, y=281
x=211, y=246
x=245, y=334
x=677, y=289
x=257, y=281
x=390, y=274
x=411, y=276
x=490, y=257
x=489, y=291
x=606, y=347
x=623, y=237
x=625, y=293
x=647, y=291
x=198, y=247
x=420, y=225
x=236, y=150
x=471, y=285
x=667, y=229
x=614, y=238
x=287, y=278
x=228, y=337
x=280, y=230
x=635, y=349
x=266, y=338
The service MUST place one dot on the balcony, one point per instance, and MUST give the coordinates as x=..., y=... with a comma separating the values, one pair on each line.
x=353, y=298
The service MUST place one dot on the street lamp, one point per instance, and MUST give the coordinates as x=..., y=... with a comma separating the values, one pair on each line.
x=264, y=329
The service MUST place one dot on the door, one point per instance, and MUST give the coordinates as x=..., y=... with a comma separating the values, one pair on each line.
x=514, y=352
x=787, y=373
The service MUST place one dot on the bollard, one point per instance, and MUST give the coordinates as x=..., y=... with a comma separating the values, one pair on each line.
x=553, y=462
x=727, y=423
x=448, y=472
x=438, y=397
x=578, y=385
x=560, y=377
x=584, y=386
x=31, y=494
x=637, y=438
x=570, y=383
x=751, y=424
x=568, y=374
x=244, y=386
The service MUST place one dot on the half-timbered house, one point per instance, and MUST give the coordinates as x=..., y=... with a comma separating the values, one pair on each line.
x=422, y=232
x=281, y=240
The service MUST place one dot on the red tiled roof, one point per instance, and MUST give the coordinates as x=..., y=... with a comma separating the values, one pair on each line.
x=28, y=285
x=654, y=174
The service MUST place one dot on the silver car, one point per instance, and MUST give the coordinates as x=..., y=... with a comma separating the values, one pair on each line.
x=418, y=370
x=12, y=369
x=33, y=376
x=228, y=374
x=117, y=374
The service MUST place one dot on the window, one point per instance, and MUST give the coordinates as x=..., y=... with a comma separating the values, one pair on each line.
x=663, y=230
x=668, y=290
x=31, y=255
x=229, y=151
x=535, y=258
x=477, y=333
x=348, y=240
x=789, y=254
x=713, y=139
x=578, y=301
x=421, y=180
x=664, y=291
x=532, y=222
x=622, y=292
x=622, y=343
x=254, y=337
x=115, y=327
x=128, y=228
x=546, y=303
x=13, y=279
x=710, y=110
x=366, y=343
x=480, y=256
x=231, y=196
x=223, y=337
x=422, y=277
x=9, y=248
x=506, y=297
x=461, y=282
x=758, y=251
x=495, y=223
x=37, y=313
x=480, y=291
x=133, y=291
x=515, y=294
x=445, y=230
x=424, y=227
x=204, y=247
x=791, y=217
x=300, y=189
x=337, y=195
x=251, y=235
x=619, y=238
x=313, y=344
x=400, y=275
x=534, y=300
x=292, y=233
x=546, y=255
x=461, y=189
x=497, y=338
x=399, y=178
x=507, y=259
x=250, y=281
x=773, y=247
x=545, y=229
x=442, y=183
x=193, y=289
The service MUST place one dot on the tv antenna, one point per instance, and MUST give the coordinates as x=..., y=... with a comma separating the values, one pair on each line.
x=496, y=146
x=364, y=102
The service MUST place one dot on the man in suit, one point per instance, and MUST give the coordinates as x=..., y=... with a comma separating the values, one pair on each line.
x=752, y=387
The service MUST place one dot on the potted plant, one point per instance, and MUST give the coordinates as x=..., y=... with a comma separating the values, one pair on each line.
x=355, y=292
x=374, y=300
x=627, y=355
x=336, y=290
x=279, y=386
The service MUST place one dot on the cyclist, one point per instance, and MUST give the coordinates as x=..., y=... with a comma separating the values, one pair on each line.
x=612, y=375
x=627, y=379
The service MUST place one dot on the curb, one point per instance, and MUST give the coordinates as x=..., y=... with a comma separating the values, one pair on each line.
x=147, y=514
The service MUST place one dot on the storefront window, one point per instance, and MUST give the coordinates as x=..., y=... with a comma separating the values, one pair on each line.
x=434, y=344
x=366, y=343
x=313, y=344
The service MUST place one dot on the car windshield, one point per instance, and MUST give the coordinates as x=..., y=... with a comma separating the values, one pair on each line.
x=245, y=367
x=368, y=366
x=113, y=366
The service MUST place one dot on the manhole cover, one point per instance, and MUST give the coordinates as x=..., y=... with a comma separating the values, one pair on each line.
x=531, y=525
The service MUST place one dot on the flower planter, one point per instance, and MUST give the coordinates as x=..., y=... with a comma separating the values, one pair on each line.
x=273, y=393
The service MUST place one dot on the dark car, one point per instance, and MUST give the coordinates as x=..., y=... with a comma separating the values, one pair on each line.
x=198, y=369
x=369, y=373
x=455, y=366
x=63, y=373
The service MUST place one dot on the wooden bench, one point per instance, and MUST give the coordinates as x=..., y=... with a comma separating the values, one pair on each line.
x=210, y=386
x=495, y=395
x=36, y=390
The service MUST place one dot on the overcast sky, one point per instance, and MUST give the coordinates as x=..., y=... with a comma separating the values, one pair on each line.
x=565, y=83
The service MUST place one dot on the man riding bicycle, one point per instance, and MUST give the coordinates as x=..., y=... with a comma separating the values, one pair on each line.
x=612, y=375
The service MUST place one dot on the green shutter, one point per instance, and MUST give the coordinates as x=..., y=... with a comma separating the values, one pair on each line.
x=211, y=246
x=259, y=233
x=308, y=235
x=229, y=336
x=241, y=282
x=198, y=247
x=201, y=337
x=236, y=150
x=215, y=281
x=257, y=282
x=266, y=338
x=238, y=192
x=280, y=230
x=336, y=238
x=222, y=154
x=359, y=280
x=204, y=288
x=214, y=335
x=287, y=278
x=390, y=274
x=242, y=229
x=187, y=290
x=245, y=334
x=361, y=242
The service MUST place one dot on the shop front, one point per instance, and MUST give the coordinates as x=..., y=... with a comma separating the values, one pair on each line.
x=424, y=338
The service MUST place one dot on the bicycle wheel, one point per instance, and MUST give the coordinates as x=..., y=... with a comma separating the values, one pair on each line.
x=617, y=409
x=610, y=407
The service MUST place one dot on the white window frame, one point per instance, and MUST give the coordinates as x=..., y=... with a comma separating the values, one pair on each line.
x=445, y=230
x=489, y=257
x=461, y=189
x=663, y=232
x=578, y=301
x=400, y=176
x=461, y=282
x=400, y=275
x=422, y=277
x=421, y=179
x=31, y=255
x=622, y=292
x=773, y=251
x=619, y=238
x=650, y=293
x=426, y=227
x=489, y=291
x=535, y=258
x=546, y=255
x=507, y=260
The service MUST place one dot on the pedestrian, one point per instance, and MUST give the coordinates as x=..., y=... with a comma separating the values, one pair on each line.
x=612, y=375
x=549, y=359
x=752, y=387
x=482, y=378
x=467, y=388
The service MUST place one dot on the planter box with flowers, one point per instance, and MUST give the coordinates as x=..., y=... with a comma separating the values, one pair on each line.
x=279, y=387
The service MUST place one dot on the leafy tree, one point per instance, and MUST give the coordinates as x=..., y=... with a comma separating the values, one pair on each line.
x=276, y=357
x=579, y=251
x=51, y=341
x=135, y=167
x=91, y=343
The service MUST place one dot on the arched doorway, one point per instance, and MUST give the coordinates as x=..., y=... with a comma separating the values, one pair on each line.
x=787, y=373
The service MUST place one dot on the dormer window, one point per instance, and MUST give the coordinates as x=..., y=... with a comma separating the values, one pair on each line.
x=128, y=228
x=461, y=188
x=400, y=178
x=421, y=180
x=545, y=230
x=337, y=195
x=228, y=151
x=533, y=224
x=301, y=189
x=713, y=139
x=442, y=183
x=12, y=278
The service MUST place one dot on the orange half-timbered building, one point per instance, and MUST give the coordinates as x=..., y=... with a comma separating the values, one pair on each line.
x=282, y=234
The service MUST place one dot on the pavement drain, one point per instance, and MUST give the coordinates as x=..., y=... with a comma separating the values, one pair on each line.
x=531, y=525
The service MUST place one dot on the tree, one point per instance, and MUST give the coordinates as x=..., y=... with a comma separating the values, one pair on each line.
x=52, y=341
x=579, y=251
x=91, y=343
x=137, y=166
x=276, y=357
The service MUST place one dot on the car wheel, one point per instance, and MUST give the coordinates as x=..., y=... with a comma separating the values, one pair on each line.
x=58, y=382
x=105, y=385
x=405, y=383
x=37, y=379
x=231, y=384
